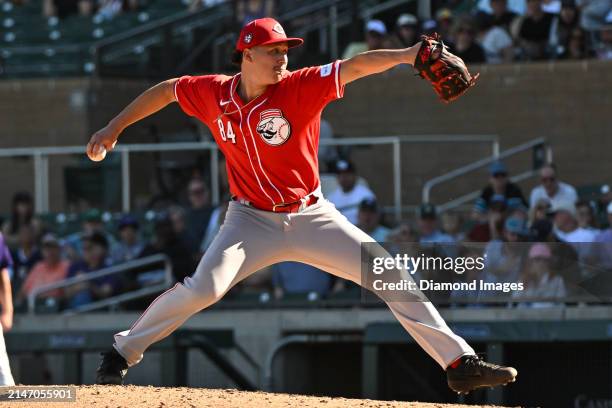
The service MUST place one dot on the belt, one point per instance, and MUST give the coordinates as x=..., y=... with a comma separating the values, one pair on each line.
x=290, y=207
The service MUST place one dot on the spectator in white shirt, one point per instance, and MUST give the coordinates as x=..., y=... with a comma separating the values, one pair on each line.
x=495, y=41
x=349, y=194
x=567, y=229
x=551, y=188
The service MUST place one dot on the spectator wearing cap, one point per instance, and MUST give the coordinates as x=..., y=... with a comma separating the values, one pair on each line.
x=568, y=230
x=533, y=30
x=604, y=243
x=515, y=230
x=95, y=255
x=375, y=38
x=91, y=222
x=130, y=245
x=540, y=281
x=551, y=189
x=500, y=186
x=369, y=220
x=516, y=208
x=428, y=226
x=444, y=23
x=406, y=31
x=566, y=224
x=349, y=193
x=504, y=257
x=464, y=43
x=50, y=269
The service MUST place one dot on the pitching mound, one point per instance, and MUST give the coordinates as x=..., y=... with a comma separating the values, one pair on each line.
x=96, y=396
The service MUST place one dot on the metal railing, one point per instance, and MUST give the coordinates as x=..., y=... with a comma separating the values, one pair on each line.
x=113, y=270
x=41, y=161
x=158, y=32
x=479, y=164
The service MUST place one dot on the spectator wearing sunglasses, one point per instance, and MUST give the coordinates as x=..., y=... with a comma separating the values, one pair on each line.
x=551, y=189
x=464, y=42
x=500, y=185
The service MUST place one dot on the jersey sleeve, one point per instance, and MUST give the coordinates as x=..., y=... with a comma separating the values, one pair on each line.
x=318, y=86
x=195, y=95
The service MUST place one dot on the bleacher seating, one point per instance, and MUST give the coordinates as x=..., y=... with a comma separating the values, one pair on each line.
x=32, y=44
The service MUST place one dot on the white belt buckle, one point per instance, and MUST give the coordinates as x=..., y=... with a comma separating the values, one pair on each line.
x=303, y=201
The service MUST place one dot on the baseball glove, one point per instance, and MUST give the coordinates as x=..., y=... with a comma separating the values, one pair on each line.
x=446, y=72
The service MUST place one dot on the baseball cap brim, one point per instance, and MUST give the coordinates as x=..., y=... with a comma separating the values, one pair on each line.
x=291, y=42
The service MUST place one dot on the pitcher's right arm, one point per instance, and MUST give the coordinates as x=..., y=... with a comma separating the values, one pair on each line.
x=146, y=104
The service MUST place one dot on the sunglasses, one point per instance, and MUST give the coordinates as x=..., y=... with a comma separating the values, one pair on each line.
x=499, y=175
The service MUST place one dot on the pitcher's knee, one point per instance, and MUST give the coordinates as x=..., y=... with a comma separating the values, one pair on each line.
x=204, y=292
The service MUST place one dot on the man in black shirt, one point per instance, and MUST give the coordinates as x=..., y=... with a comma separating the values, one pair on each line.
x=464, y=45
x=499, y=185
x=534, y=31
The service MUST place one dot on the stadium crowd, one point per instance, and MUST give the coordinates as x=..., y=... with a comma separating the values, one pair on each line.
x=550, y=240
x=483, y=31
x=503, y=31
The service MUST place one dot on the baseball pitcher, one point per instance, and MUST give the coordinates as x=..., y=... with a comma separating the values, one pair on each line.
x=266, y=121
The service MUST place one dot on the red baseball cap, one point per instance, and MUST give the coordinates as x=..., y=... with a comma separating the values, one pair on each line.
x=264, y=31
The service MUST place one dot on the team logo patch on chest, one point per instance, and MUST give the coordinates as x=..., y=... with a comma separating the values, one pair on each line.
x=273, y=127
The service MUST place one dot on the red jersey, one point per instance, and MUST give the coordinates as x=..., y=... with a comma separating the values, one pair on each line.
x=270, y=144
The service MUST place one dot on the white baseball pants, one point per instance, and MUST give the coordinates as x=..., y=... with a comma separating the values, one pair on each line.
x=6, y=378
x=250, y=240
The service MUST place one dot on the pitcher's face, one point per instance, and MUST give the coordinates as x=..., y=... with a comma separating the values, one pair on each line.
x=269, y=62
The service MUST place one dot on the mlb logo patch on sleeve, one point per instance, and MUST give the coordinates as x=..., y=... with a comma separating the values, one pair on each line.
x=326, y=70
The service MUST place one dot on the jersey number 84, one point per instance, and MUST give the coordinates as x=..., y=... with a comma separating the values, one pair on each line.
x=230, y=131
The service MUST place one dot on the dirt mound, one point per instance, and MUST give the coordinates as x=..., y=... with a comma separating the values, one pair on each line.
x=96, y=396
